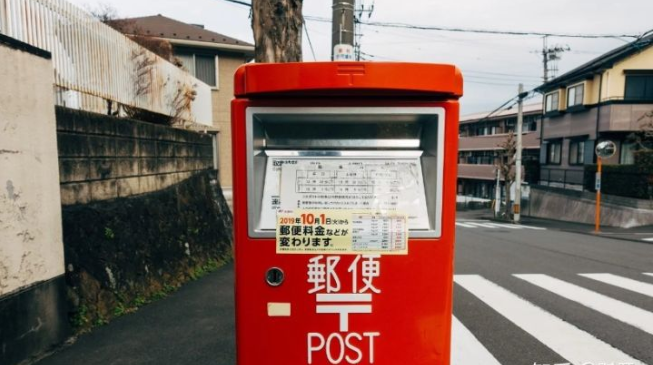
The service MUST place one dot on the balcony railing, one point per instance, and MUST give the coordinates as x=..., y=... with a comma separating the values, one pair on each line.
x=96, y=68
x=562, y=178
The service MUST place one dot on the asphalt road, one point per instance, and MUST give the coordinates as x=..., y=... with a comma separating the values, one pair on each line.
x=556, y=316
x=549, y=314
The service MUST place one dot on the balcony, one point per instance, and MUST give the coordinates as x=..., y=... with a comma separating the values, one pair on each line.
x=530, y=140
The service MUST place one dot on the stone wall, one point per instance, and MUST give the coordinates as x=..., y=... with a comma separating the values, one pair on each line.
x=143, y=212
x=103, y=157
x=124, y=252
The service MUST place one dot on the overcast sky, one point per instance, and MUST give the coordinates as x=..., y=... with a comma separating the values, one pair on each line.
x=492, y=65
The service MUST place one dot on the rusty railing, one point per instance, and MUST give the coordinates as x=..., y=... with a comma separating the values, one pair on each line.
x=97, y=68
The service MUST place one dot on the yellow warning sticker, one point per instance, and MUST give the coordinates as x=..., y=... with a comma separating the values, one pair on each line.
x=342, y=232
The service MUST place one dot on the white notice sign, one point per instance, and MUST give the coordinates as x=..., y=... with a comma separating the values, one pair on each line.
x=345, y=183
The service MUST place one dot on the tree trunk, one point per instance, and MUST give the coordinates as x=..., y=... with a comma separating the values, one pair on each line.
x=507, y=192
x=277, y=26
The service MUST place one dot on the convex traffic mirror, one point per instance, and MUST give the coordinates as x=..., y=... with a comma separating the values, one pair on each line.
x=606, y=149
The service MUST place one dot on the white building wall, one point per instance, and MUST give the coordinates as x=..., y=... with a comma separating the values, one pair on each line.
x=31, y=247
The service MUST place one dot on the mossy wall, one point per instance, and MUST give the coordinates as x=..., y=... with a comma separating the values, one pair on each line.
x=124, y=252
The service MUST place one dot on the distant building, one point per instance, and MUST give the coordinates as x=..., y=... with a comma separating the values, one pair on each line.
x=602, y=99
x=209, y=56
x=478, y=148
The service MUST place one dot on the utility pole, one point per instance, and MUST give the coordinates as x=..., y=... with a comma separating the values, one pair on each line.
x=520, y=121
x=497, y=194
x=342, y=30
x=550, y=57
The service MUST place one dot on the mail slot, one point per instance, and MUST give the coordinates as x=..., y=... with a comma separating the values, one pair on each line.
x=344, y=212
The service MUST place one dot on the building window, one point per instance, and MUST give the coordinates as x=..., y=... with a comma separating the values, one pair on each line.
x=551, y=102
x=554, y=149
x=576, y=152
x=575, y=95
x=203, y=67
x=627, y=154
x=530, y=124
x=639, y=87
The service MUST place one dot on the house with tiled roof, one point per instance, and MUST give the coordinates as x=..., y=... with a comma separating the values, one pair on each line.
x=603, y=99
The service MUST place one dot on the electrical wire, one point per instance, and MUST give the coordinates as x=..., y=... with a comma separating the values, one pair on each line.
x=239, y=2
x=308, y=37
x=482, y=31
x=526, y=95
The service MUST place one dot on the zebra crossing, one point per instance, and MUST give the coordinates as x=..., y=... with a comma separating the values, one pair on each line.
x=562, y=336
x=494, y=225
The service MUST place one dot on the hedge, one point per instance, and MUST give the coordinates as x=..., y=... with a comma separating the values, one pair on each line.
x=623, y=180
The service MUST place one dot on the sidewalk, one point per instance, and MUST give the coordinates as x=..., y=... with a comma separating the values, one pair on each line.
x=194, y=325
x=630, y=234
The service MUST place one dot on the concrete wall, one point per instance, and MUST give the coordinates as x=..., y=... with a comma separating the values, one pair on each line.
x=222, y=114
x=31, y=248
x=579, y=207
x=102, y=157
x=142, y=212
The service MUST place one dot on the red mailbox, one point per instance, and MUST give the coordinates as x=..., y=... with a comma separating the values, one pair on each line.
x=344, y=212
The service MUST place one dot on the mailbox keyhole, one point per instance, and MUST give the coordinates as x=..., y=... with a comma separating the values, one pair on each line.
x=274, y=276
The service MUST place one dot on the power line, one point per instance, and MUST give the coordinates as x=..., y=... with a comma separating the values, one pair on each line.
x=497, y=77
x=501, y=74
x=239, y=2
x=482, y=31
x=514, y=100
x=309, y=41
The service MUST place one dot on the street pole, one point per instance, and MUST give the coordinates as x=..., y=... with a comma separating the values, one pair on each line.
x=597, y=185
x=342, y=29
x=520, y=121
x=497, y=194
x=604, y=149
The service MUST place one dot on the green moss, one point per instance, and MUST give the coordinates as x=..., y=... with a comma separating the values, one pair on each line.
x=80, y=318
x=108, y=233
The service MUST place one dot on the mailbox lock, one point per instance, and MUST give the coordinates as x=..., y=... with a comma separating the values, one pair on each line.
x=274, y=276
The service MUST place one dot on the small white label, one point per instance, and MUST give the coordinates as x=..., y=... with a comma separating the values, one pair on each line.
x=278, y=309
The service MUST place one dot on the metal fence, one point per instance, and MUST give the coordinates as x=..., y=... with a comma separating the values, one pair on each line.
x=562, y=178
x=97, y=67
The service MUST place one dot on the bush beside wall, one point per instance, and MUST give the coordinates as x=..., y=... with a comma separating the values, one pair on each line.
x=121, y=253
x=622, y=180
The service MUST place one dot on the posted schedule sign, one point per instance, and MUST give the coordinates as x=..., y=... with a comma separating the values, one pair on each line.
x=345, y=184
x=342, y=232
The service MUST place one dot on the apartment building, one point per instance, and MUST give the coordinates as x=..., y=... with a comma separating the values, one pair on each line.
x=480, y=137
x=602, y=99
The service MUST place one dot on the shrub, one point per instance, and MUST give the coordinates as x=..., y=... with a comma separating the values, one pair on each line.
x=622, y=180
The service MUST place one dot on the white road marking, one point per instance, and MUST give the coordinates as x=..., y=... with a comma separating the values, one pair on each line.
x=484, y=225
x=650, y=239
x=648, y=273
x=622, y=282
x=489, y=224
x=500, y=225
x=466, y=349
x=616, y=309
x=570, y=342
x=464, y=225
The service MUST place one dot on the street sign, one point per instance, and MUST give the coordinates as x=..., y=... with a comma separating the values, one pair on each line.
x=343, y=52
x=597, y=182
